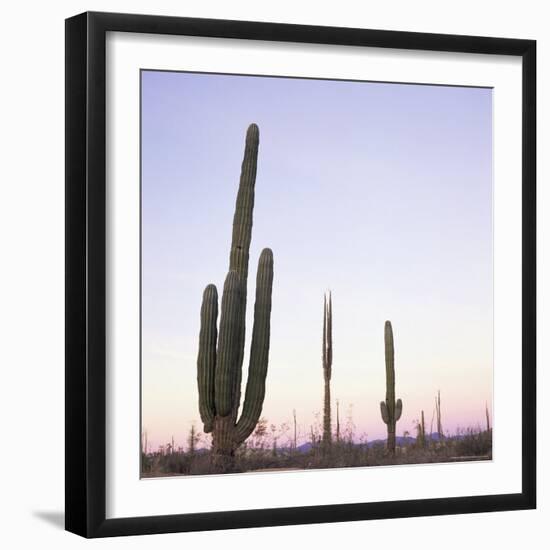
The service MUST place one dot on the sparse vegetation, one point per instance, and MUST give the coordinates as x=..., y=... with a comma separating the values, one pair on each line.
x=269, y=449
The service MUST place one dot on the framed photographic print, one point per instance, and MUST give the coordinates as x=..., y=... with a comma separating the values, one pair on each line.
x=300, y=278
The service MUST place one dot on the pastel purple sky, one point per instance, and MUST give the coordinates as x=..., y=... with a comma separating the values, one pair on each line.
x=380, y=192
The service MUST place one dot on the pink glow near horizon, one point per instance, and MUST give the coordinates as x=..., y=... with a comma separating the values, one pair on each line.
x=381, y=193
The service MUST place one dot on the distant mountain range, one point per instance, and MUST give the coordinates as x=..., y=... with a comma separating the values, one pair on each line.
x=399, y=440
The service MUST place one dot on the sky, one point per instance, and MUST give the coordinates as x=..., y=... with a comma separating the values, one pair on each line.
x=378, y=192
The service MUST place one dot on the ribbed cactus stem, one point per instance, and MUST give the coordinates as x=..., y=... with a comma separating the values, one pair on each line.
x=228, y=351
x=259, y=351
x=390, y=409
x=241, y=239
x=242, y=219
x=206, y=362
x=220, y=357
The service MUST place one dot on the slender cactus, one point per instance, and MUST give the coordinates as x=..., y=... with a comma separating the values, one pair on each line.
x=440, y=433
x=390, y=409
x=220, y=356
x=327, y=370
x=421, y=432
x=423, y=424
x=191, y=441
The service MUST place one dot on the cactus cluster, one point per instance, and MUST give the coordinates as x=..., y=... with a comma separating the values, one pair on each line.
x=220, y=356
x=390, y=408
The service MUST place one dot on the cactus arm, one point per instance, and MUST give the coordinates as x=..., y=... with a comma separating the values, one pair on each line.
x=398, y=409
x=384, y=411
x=242, y=220
x=228, y=352
x=240, y=241
x=206, y=362
x=259, y=351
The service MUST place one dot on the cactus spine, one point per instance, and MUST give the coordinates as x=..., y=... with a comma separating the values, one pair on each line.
x=220, y=356
x=390, y=409
x=327, y=370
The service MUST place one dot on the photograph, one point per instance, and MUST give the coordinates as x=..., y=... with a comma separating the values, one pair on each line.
x=316, y=274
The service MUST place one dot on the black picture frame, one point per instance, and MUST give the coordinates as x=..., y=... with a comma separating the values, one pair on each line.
x=86, y=274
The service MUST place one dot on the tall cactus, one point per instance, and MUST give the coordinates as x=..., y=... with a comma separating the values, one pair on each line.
x=421, y=432
x=440, y=434
x=423, y=424
x=327, y=370
x=390, y=409
x=220, y=357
